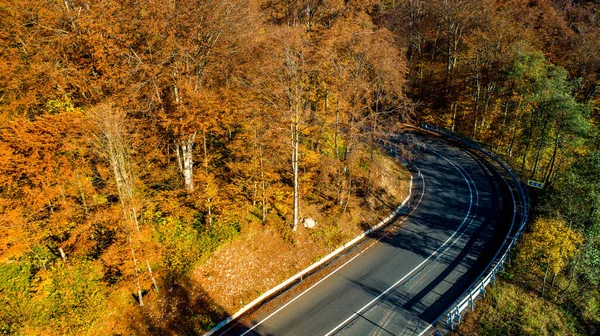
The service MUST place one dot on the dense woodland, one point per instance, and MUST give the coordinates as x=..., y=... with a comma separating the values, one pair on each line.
x=136, y=137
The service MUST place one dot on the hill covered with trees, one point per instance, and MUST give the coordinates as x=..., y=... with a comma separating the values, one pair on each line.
x=137, y=137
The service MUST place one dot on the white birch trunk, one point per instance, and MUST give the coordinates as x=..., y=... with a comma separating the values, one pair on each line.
x=186, y=146
x=295, y=140
x=179, y=162
x=263, y=187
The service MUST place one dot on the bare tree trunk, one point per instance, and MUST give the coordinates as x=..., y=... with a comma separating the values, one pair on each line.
x=179, y=162
x=539, y=150
x=372, y=145
x=340, y=180
x=544, y=283
x=186, y=147
x=347, y=199
x=152, y=275
x=295, y=144
x=509, y=150
x=137, y=274
x=208, y=199
x=453, y=108
x=573, y=269
x=498, y=140
x=553, y=159
x=62, y=254
x=205, y=152
x=337, y=128
x=262, y=182
x=256, y=145
x=529, y=140
x=476, y=98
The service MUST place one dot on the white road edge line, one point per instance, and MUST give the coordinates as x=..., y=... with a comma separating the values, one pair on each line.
x=424, y=261
x=346, y=263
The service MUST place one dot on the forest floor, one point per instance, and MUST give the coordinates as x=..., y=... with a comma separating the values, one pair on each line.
x=260, y=258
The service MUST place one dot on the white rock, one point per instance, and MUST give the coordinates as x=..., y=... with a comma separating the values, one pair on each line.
x=309, y=223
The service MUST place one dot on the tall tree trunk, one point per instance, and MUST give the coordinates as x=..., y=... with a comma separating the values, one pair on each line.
x=528, y=144
x=137, y=273
x=553, y=159
x=208, y=199
x=295, y=144
x=152, y=275
x=263, y=187
x=513, y=139
x=497, y=140
x=337, y=128
x=186, y=147
x=372, y=145
x=453, y=108
x=347, y=198
x=476, y=98
x=539, y=150
x=573, y=269
x=179, y=162
x=545, y=277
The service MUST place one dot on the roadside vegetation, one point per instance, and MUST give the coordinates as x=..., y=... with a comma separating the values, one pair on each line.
x=144, y=144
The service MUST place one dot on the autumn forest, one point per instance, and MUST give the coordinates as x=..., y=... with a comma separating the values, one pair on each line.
x=139, y=138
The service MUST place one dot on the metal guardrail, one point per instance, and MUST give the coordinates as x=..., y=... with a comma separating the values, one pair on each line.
x=467, y=299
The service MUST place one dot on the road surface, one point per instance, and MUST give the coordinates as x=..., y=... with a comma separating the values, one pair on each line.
x=460, y=213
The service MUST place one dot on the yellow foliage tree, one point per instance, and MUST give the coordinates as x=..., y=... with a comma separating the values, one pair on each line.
x=551, y=243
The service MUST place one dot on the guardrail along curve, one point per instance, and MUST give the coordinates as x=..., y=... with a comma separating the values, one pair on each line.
x=467, y=298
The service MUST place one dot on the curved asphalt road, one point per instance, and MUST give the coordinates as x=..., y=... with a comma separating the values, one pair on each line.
x=460, y=213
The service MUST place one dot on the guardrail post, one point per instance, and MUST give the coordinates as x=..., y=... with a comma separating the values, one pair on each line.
x=450, y=322
x=483, y=292
x=471, y=302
